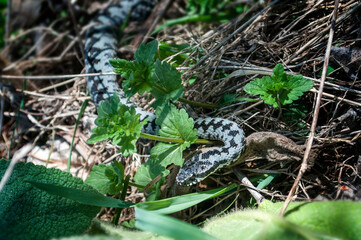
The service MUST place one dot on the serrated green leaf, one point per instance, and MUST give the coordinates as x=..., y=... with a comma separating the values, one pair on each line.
x=105, y=179
x=100, y=134
x=146, y=52
x=27, y=212
x=167, y=84
x=139, y=80
x=278, y=76
x=118, y=123
x=296, y=86
x=137, y=74
x=176, y=124
x=167, y=153
x=148, y=171
x=122, y=66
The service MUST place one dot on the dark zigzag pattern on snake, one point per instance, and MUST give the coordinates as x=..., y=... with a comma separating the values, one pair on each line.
x=101, y=45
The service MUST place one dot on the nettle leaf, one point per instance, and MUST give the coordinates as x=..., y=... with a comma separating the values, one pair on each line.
x=105, y=179
x=296, y=85
x=137, y=74
x=118, y=123
x=168, y=153
x=175, y=123
x=139, y=80
x=122, y=66
x=279, y=88
x=26, y=212
x=168, y=84
x=148, y=171
x=146, y=52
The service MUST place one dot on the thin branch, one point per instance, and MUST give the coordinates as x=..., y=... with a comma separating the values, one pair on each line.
x=51, y=77
x=304, y=164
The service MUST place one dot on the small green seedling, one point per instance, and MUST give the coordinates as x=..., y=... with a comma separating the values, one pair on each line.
x=280, y=88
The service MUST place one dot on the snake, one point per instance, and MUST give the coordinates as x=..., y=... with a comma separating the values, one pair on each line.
x=101, y=45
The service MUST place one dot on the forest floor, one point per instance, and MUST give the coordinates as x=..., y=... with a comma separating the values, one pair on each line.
x=295, y=33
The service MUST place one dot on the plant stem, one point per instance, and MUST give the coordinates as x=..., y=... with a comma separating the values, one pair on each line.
x=135, y=185
x=176, y=140
x=198, y=104
x=193, y=103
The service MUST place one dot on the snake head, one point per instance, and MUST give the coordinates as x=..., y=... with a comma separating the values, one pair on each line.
x=195, y=170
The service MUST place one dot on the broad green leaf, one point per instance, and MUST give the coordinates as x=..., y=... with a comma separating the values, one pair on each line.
x=176, y=124
x=27, y=212
x=118, y=123
x=93, y=198
x=167, y=84
x=105, y=179
x=175, y=204
x=259, y=225
x=148, y=171
x=341, y=219
x=167, y=226
x=167, y=153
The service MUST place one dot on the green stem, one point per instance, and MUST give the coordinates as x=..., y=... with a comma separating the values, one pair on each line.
x=135, y=185
x=198, y=104
x=176, y=140
x=186, y=101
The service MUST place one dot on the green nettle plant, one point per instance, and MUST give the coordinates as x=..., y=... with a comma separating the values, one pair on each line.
x=280, y=88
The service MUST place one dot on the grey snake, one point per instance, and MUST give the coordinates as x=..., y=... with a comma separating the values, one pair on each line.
x=101, y=45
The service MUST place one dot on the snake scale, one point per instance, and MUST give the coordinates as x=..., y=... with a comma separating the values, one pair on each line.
x=101, y=45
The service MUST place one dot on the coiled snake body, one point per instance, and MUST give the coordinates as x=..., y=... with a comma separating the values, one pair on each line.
x=100, y=46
